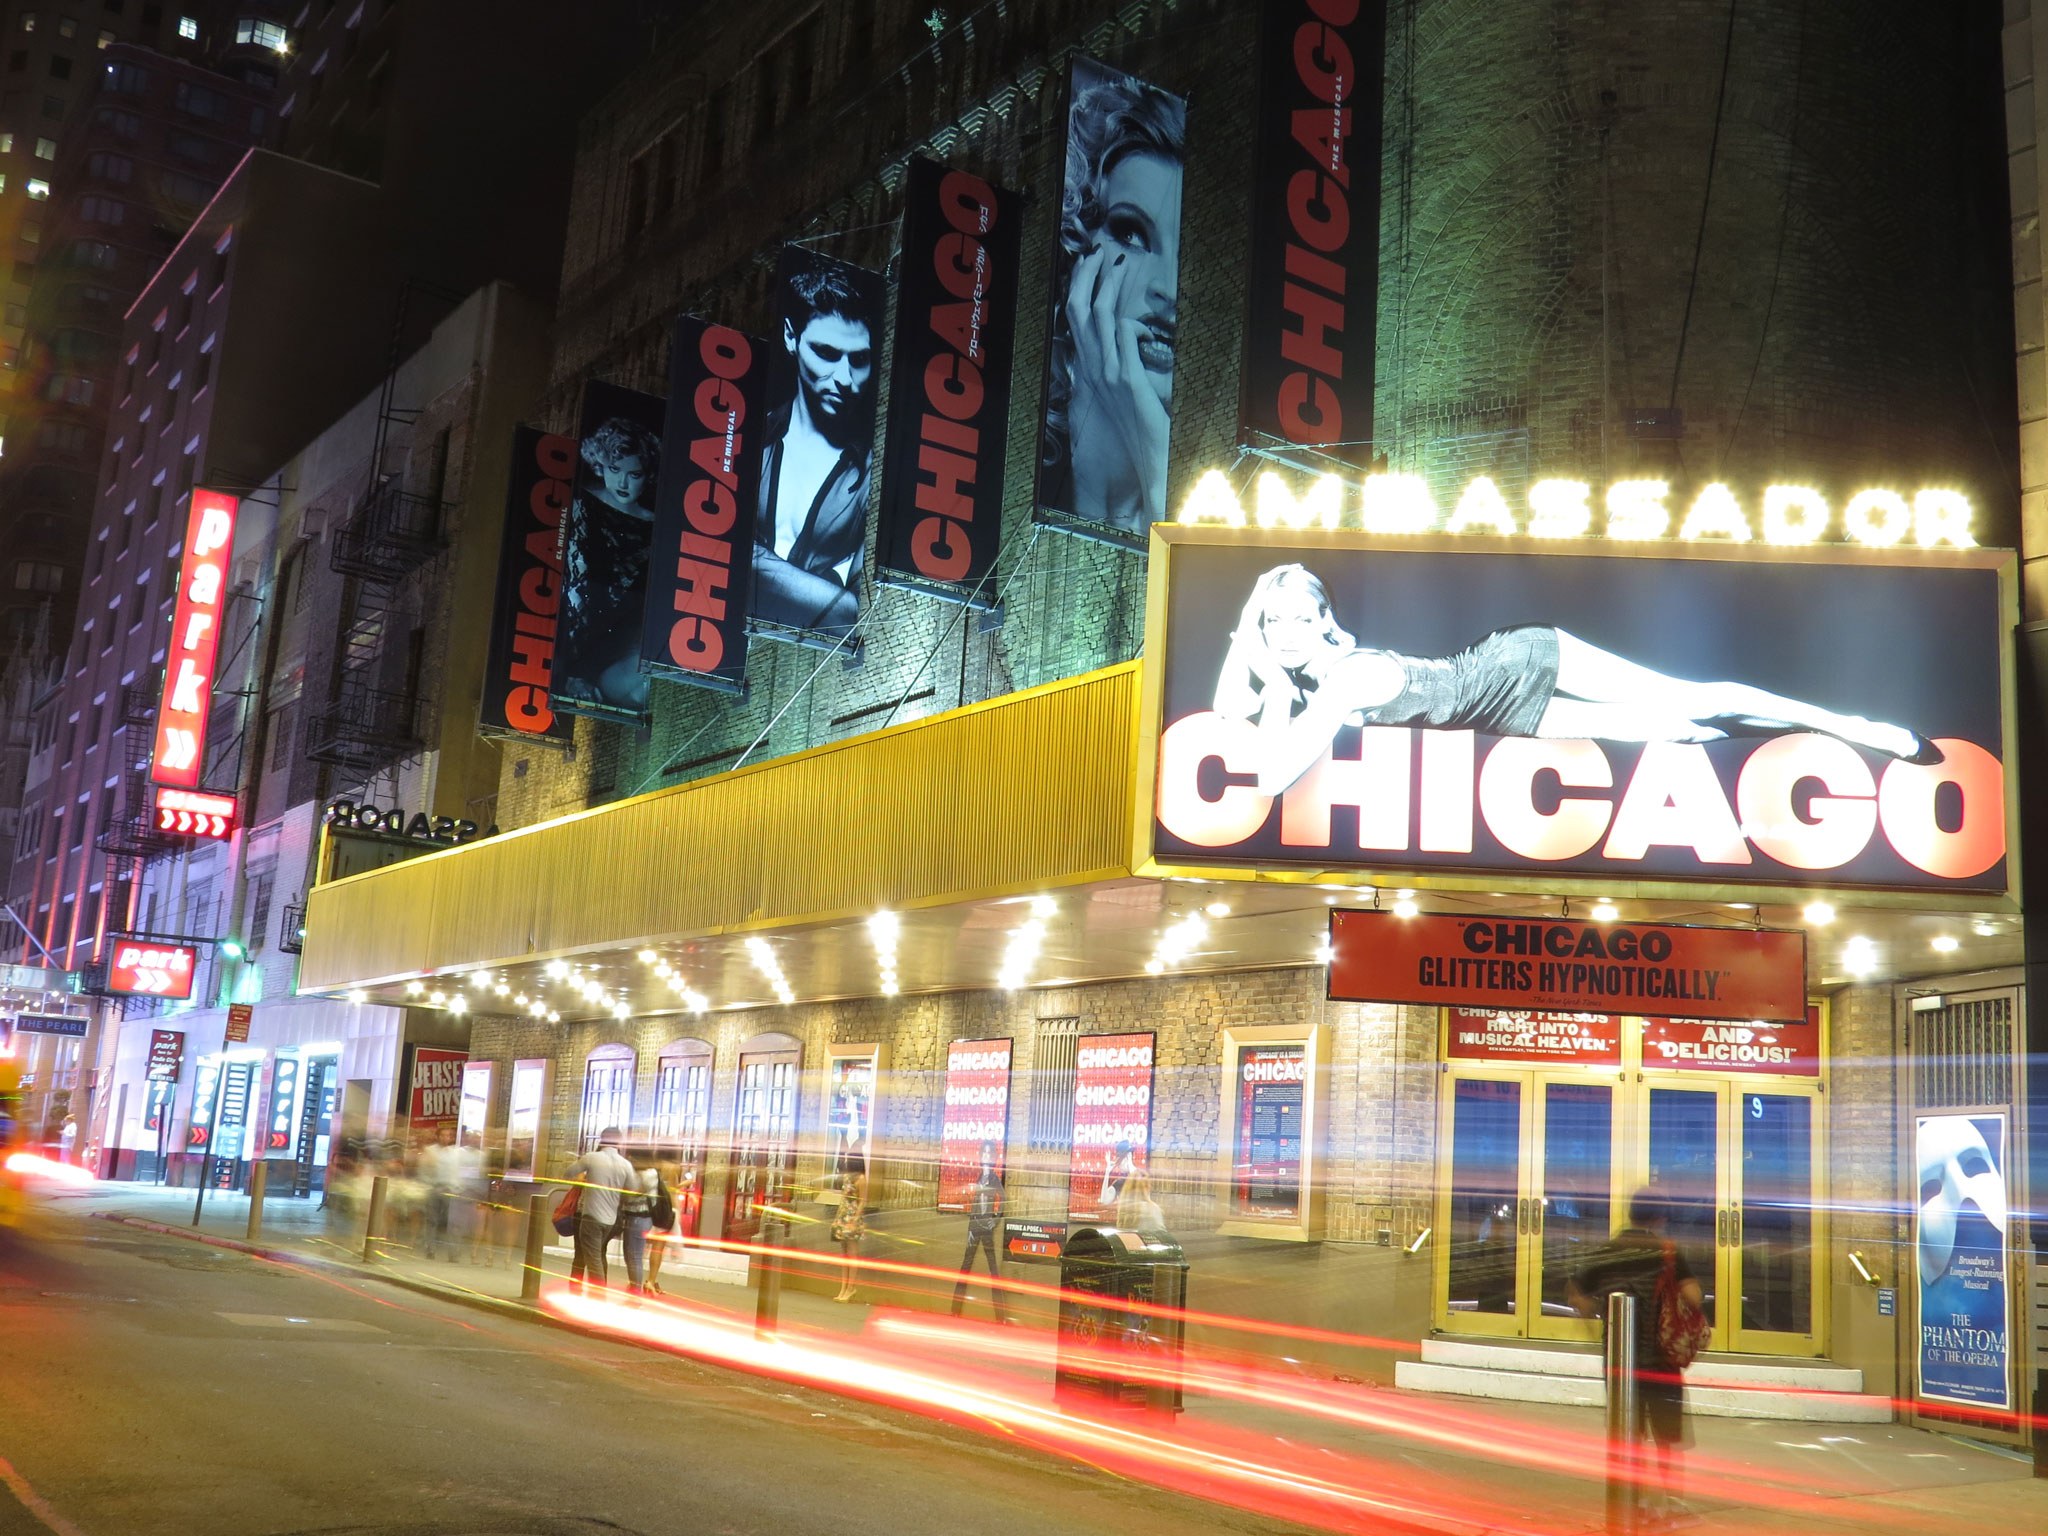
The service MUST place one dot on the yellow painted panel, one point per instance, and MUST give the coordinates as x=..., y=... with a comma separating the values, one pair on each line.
x=1029, y=791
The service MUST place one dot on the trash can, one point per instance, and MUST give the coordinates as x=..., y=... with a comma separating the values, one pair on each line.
x=1110, y=1350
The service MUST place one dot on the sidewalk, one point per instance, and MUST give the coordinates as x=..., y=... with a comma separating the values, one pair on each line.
x=1744, y=1476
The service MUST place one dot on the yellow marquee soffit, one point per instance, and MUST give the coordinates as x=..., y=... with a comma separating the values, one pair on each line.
x=1023, y=793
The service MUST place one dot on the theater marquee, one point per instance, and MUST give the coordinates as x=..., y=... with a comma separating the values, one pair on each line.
x=1332, y=702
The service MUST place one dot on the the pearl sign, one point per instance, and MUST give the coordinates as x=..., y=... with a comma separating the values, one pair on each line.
x=1334, y=701
x=195, y=641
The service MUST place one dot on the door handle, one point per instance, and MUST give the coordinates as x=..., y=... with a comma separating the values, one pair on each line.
x=1536, y=1204
x=1721, y=1229
x=1734, y=1226
x=1522, y=1216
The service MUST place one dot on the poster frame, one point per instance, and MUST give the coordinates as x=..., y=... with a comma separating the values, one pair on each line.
x=543, y=1069
x=1985, y=1417
x=876, y=1058
x=1076, y=1216
x=1009, y=1069
x=1307, y=1224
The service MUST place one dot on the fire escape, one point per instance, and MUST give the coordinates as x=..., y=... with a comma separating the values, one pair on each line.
x=371, y=718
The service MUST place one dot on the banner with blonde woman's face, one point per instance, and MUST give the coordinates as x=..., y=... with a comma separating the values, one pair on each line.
x=1115, y=307
x=1330, y=701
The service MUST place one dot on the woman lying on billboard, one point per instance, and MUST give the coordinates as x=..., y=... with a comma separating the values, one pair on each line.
x=1295, y=670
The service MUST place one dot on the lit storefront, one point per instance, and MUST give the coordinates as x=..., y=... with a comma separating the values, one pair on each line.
x=772, y=975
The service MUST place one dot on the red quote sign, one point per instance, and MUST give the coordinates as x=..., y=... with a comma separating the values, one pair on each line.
x=142, y=968
x=1112, y=1122
x=1710, y=1045
x=1559, y=964
x=436, y=1087
x=977, y=1118
x=1589, y=1039
x=195, y=641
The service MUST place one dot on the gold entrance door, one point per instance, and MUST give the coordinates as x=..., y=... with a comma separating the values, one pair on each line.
x=1529, y=1189
x=1737, y=1166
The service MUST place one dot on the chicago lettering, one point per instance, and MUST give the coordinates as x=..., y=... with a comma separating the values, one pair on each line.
x=530, y=677
x=1288, y=1069
x=704, y=550
x=1114, y=1056
x=950, y=439
x=1806, y=802
x=1312, y=296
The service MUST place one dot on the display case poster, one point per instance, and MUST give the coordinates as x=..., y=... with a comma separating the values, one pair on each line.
x=850, y=1116
x=975, y=1128
x=436, y=1094
x=235, y=1098
x=1112, y=1123
x=284, y=1102
x=205, y=1085
x=1266, y=1181
x=522, y=1118
x=1960, y=1250
x=474, y=1115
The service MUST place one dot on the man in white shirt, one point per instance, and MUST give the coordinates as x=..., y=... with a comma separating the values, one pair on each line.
x=604, y=1176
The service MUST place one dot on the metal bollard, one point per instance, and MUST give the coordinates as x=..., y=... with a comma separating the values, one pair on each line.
x=767, y=1280
x=1624, y=1461
x=537, y=1223
x=259, y=1180
x=378, y=1185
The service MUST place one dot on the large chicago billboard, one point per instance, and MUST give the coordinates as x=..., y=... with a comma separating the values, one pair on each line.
x=518, y=691
x=1315, y=228
x=1115, y=307
x=701, y=572
x=602, y=546
x=817, y=449
x=1730, y=716
x=941, y=520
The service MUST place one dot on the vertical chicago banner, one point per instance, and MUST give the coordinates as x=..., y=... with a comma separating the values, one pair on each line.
x=1308, y=352
x=603, y=551
x=526, y=620
x=949, y=384
x=817, y=449
x=1115, y=308
x=1112, y=1123
x=701, y=570
x=974, y=1131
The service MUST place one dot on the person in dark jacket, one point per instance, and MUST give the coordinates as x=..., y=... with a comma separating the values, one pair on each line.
x=1632, y=1261
x=984, y=1215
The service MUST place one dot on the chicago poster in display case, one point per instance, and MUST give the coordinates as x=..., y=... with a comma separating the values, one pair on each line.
x=1112, y=1146
x=1272, y=1115
x=974, y=1133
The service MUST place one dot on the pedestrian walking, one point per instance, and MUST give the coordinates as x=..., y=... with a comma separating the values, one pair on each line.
x=1670, y=1320
x=662, y=1231
x=605, y=1178
x=438, y=1175
x=849, y=1226
x=984, y=1215
x=636, y=1220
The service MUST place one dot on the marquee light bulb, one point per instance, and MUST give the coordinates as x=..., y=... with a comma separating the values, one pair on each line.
x=1406, y=909
x=503, y=989
x=458, y=1004
x=1818, y=913
x=1218, y=909
x=621, y=1011
x=437, y=998
x=1945, y=943
x=358, y=995
x=414, y=988
x=648, y=957
x=1605, y=911
x=557, y=969
x=554, y=1017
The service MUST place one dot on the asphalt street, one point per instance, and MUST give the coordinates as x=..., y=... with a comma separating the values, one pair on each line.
x=153, y=1385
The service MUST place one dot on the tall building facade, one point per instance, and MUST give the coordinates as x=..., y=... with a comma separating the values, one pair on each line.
x=1627, y=294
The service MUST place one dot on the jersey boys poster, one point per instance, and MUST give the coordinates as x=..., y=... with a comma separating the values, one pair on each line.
x=701, y=569
x=526, y=620
x=817, y=448
x=1115, y=307
x=975, y=1128
x=1335, y=700
x=603, y=551
x=941, y=519
x=1315, y=228
x=1112, y=1123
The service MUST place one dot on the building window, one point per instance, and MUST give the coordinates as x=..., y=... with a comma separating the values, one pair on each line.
x=60, y=67
x=17, y=61
x=102, y=210
x=105, y=167
x=607, y=1093
x=6, y=143
x=281, y=738
x=38, y=189
x=106, y=37
x=53, y=107
x=38, y=576
x=28, y=21
x=46, y=149
x=67, y=27
x=264, y=34
x=124, y=79
x=188, y=28
x=261, y=882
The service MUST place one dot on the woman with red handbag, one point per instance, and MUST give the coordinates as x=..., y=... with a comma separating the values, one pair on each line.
x=1671, y=1326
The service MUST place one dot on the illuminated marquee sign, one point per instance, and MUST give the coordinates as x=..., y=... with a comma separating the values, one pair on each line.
x=195, y=641
x=1629, y=511
x=196, y=812
x=1332, y=701
x=147, y=968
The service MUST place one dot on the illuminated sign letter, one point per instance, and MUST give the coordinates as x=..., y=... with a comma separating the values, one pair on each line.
x=194, y=642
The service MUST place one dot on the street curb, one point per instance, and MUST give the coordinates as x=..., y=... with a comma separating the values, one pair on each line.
x=313, y=1261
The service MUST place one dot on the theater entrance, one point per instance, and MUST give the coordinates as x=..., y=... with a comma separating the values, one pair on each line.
x=1536, y=1165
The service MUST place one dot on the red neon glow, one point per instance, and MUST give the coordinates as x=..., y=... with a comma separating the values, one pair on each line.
x=196, y=812
x=140, y=968
x=195, y=641
x=30, y=1165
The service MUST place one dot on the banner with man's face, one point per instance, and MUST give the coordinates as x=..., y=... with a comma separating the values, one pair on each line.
x=1116, y=308
x=817, y=456
x=603, y=552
